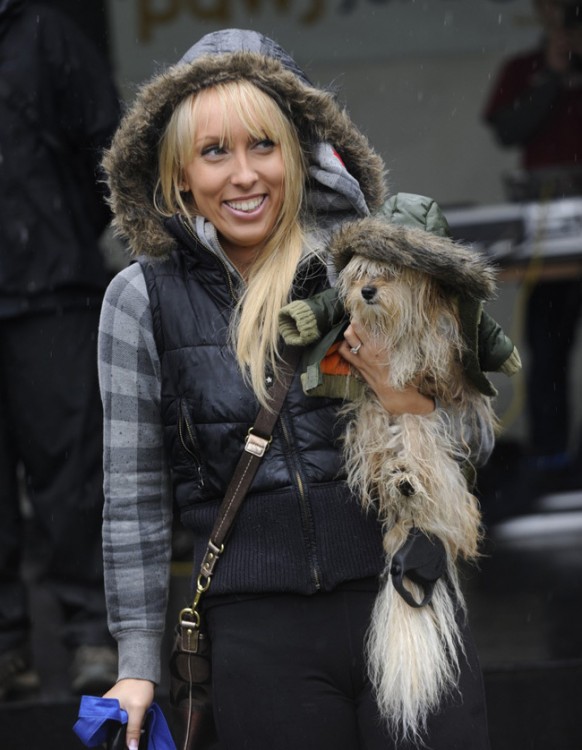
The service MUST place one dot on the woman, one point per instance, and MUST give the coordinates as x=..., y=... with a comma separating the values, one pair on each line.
x=227, y=177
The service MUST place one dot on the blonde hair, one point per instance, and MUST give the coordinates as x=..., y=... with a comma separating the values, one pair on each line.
x=254, y=328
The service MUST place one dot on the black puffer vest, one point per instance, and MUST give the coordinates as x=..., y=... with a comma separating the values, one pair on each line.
x=299, y=528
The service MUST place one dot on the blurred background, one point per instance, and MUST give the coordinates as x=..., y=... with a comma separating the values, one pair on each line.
x=422, y=79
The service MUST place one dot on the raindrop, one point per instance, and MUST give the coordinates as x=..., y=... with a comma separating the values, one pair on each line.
x=23, y=234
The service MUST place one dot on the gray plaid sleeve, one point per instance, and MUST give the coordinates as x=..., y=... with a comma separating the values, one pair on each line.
x=137, y=520
x=474, y=436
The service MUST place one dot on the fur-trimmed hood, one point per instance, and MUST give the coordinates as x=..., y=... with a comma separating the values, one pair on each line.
x=411, y=231
x=220, y=57
x=457, y=267
x=462, y=270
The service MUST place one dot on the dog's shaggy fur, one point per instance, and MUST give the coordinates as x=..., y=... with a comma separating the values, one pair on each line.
x=410, y=468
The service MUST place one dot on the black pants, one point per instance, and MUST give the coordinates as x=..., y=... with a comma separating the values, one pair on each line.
x=51, y=424
x=289, y=673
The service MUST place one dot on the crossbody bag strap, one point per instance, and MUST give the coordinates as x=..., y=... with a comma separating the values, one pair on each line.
x=257, y=442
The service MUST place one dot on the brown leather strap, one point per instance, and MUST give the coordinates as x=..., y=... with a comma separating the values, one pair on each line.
x=258, y=440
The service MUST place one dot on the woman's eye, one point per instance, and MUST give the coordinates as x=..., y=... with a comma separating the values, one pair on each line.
x=265, y=145
x=215, y=150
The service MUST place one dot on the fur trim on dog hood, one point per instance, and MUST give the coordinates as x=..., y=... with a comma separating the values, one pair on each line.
x=412, y=231
x=457, y=267
x=222, y=57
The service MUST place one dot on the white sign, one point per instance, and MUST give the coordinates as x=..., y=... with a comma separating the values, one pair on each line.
x=150, y=33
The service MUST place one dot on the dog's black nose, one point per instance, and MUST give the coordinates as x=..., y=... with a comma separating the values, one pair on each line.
x=369, y=292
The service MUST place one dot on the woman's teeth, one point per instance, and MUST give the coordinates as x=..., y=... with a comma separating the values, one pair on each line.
x=249, y=205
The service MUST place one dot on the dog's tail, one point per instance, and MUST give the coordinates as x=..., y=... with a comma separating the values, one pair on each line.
x=413, y=656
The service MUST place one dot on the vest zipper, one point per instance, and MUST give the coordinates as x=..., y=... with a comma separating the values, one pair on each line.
x=190, y=449
x=306, y=513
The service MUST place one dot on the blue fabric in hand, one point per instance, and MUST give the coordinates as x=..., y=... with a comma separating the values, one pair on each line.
x=92, y=725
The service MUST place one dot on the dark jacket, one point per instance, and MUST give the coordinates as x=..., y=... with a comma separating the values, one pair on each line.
x=299, y=528
x=58, y=109
x=538, y=110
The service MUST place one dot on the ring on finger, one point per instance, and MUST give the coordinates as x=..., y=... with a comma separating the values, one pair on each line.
x=356, y=349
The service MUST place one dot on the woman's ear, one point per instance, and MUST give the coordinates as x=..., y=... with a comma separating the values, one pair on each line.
x=183, y=186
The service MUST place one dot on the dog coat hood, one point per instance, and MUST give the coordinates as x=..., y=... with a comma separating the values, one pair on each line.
x=409, y=230
x=336, y=150
x=459, y=268
x=412, y=231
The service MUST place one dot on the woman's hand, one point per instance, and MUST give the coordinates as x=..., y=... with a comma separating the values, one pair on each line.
x=369, y=360
x=135, y=697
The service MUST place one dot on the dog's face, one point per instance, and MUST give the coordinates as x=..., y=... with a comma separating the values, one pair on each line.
x=406, y=311
x=388, y=301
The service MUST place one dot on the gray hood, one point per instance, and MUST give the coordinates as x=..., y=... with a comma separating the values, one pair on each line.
x=345, y=188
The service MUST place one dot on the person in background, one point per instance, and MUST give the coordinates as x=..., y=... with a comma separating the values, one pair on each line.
x=227, y=177
x=58, y=110
x=535, y=105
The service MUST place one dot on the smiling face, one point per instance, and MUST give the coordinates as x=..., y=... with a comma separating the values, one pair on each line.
x=236, y=177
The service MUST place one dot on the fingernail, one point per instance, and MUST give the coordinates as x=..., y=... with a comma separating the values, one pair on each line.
x=133, y=744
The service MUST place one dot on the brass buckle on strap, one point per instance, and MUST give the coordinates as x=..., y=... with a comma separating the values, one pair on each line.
x=207, y=567
x=255, y=444
x=189, y=622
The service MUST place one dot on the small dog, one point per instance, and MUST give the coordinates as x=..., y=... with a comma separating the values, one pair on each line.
x=403, y=287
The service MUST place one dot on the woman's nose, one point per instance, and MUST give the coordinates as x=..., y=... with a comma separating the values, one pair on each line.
x=243, y=173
